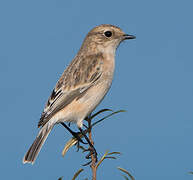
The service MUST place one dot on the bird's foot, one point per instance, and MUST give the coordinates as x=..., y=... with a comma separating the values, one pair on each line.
x=92, y=151
x=79, y=140
x=76, y=135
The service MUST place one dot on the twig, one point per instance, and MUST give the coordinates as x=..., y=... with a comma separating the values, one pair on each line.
x=93, y=158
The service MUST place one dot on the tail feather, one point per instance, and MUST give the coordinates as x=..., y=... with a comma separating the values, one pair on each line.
x=35, y=148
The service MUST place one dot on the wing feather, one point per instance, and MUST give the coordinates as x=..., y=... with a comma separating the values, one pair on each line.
x=74, y=82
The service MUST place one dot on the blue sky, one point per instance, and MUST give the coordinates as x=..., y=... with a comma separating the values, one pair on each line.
x=153, y=82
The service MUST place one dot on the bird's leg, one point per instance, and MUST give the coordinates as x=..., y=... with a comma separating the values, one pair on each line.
x=91, y=148
x=75, y=134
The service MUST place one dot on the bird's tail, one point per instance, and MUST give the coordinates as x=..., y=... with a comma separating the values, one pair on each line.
x=35, y=148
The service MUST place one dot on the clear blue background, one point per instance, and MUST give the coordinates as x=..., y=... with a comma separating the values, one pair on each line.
x=153, y=82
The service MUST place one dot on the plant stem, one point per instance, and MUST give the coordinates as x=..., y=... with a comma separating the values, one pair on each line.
x=93, y=159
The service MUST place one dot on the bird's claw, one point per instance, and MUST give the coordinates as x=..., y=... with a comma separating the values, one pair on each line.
x=92, y=151
x=87, y=163
x=77, y=136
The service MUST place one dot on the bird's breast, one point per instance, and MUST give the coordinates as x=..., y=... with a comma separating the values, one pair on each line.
x=108, y=66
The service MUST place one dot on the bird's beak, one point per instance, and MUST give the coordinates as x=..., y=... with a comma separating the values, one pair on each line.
x=127, y=36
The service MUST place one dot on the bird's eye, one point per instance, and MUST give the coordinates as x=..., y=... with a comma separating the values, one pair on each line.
x=108, y=33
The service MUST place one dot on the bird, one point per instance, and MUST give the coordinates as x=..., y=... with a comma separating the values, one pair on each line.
x=83, y=84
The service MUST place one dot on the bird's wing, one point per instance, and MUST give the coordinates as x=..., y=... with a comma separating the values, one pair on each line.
x=79, y=76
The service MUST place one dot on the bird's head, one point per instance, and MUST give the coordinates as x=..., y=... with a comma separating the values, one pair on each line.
x=105, y=38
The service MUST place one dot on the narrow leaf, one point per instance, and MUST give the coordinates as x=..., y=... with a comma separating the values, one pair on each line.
x=101, y=160
x=107, y=117
x=72, y=142
x=191, y=172
x=99, y=112
x=110, y=157
x=114, y=153
x=68, y=145
x=77, y=173
x=125, y=171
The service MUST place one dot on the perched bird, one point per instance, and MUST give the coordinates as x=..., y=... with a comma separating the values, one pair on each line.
x=83, y=84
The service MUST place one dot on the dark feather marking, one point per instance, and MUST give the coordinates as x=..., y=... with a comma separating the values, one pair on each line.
x=93, y=76
x=68, y=99
x=53, y=94
x=78, y=72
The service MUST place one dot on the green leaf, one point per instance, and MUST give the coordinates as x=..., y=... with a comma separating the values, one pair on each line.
x=107, y=117
x=101, y=160
x=125, y=171
x=77, y=173
x=191, y=172
x=106, y=156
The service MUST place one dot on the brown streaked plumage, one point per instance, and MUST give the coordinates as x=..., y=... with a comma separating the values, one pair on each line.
x=82, y=85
